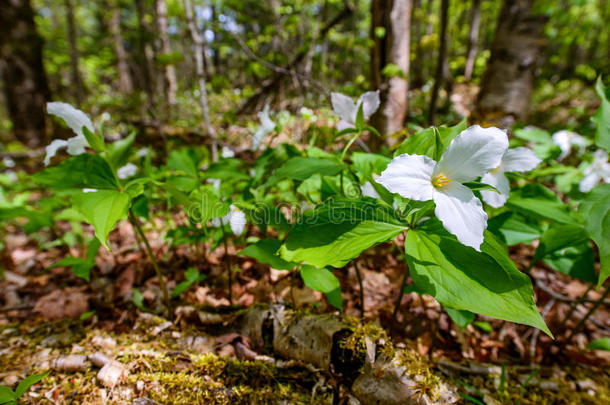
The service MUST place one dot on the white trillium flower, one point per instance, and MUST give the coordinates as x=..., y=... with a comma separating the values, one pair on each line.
x=514, y=160
x=267, y=126
x=472, y=153
x=236, y=219
x=227, y=152
x=347, y=110
x=142, y=152
x=566, y=140
x=127, y=171
x=369, y=191
x=215, y=183
x=598, y=170
x=76, y=120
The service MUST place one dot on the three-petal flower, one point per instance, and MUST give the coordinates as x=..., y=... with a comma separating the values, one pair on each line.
x=472, y=153
x=347, y=110
x=76, y=120
x=514, y=160
x=598, y=170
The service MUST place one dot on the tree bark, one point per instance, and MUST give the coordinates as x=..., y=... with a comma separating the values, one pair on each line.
x=125, y=82
x=199, y=44
x=394, y=48
x=147, y=56
x=171, y=84
x=24, y=79
x=473, y=38
x=508, y=83
x=441, y=62
x=77, y=81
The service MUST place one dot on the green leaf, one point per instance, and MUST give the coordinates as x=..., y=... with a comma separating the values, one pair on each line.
x=369, y=163
x=334, y=298
x=7, y=395
x=459, y=277
x=596, y=210
x=301, y=168
x=540, y=202
x=82, y=171
x=339, y=230
x=27, y=382
x=322, y=279
x=102, y=209
x=431, y=142
x=513, y=228
x=208, y=204
x=96, y=142
x=264, y=251
x=484, y=326
x=575, y=261
x=477, y=186
x=138, y=299
x=602, y=118
x=191, y=276
x=461, y=318
x=360, y=117
x=183, y=160
x=599, y=344
x=118, y=152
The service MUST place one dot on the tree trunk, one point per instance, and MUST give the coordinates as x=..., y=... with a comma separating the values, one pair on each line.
x=417, y=17
x=24, y=80
x=508, y=83
x=441, y=62
x=393, y=48
x=77, y=81
x=199, y=43
x=171, y=84
x=125, y=83
x=473, y=38
x=147, y=56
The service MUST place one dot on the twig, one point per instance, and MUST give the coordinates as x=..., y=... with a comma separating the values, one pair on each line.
x=573, y=308
x=534, y=338
x=168, y=303
x=361, y=289
x=400, y=294
x=587, y=316
x=560, y=297
x=227, y=261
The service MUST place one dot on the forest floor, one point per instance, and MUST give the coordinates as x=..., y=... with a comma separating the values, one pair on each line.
x=190, y=360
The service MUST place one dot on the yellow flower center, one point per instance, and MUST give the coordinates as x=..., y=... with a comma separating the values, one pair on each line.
x=440, y=180
x=494, y=171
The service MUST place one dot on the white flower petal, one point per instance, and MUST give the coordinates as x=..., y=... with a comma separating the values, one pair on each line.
x=227, y=152
x=89, y=190
x=410, y=176
x=77, y=144
x=472, y=153
x=127, y=171
x=519, y=160
x=370, y=103
x=589, y=181
x=499, y=181
x=344, y=107
x=52, y=149
x=74, y=118
x=369, y=191
x=461, y=213
x=258, y=137
x=344, y=125
x=215, y=183
x=237, y=220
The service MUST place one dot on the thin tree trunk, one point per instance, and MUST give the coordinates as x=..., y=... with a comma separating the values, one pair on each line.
x=125, y=83
x=440, y=62
x=171, y=84
x=216, y=56
x=147, y=55
x=417, y=16
x=22, y=71
x=394, y=48
x=473, y=38
x=199, y=43
x=508, y=83
x=77, y=81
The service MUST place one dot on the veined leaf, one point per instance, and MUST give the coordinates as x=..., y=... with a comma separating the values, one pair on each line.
x=596, y=211
x=264, y=251
x=301, y=168
x=82, y=171
x=539, y=201
x=602, y=118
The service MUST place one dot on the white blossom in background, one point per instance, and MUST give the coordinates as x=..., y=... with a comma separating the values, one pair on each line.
x=76, y=120
x=127, y=171
x=236, y=219
x=215, y=183
x=267, y=126
x=514, y=160
x=142, y=152
x=597, y=171
x=8, y=162
x=566, y=140
x=227, y=152
x=308, y=114
x=473, y=153
x=347, y=110
x=89, y=190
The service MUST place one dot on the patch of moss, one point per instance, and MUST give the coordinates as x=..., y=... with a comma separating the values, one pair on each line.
x=377, y=335
x=418, y=368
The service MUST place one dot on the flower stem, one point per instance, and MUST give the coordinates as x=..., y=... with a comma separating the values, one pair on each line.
x=349, y=144
x=361, y=289
x=226, y=259
x=162, y=285
x=400, y=294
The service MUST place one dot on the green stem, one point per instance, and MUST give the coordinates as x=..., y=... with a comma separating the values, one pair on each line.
x=226, y=259
x=361, y=289
x=587, y=316
x=349, y=144
x=400, y=294
x=136, y=225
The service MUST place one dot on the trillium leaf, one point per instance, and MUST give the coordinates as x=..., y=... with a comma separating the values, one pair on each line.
x=596, y=211
x=575, y=261
x=95, y=141
x=602, y=118
x=461, y=318
x=82, y=171
x=477, y=186
x=538, y=201
x=339, y=230
x=513, y=228
x=369, y=163
x=102, y=209
x=7, y=395
x=118, y=152
x=325, y=281
x=301, y=168
x=264, y=251
x=599, y=344
x=459, y=277
x=27, y=382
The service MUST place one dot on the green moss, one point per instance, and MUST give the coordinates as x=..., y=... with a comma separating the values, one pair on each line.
x=418, y=368
x=377, y=335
